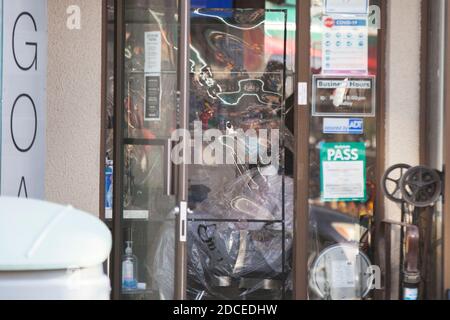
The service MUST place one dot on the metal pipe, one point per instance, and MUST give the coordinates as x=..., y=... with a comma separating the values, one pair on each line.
x=411, y=273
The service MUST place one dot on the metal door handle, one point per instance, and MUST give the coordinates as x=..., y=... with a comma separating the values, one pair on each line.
x=183, y=221
x=169, y=177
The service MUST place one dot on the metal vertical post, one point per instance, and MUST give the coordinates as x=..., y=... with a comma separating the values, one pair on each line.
x=184, y=81
x=119, y=44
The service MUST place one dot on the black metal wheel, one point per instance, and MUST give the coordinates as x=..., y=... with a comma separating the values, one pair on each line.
x=391, y=182
x=421, y=186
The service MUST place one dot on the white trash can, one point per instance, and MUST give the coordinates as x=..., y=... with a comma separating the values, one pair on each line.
x=51, y=252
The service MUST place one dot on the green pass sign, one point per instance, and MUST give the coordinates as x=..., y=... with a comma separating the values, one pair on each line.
x=343, y=172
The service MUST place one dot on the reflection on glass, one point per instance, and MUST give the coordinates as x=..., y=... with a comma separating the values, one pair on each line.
x=341, y=273
x=109, y=112
x=240, y=230
x=143, y=174
x=149, y=117
x=340, y=223
x=150, y=70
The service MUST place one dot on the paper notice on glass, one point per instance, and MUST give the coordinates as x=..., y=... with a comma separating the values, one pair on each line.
x=344, y=96
x=153, y=52
x=346, y=6
x=345, y=48
x=343, y=180
x=152, y=107
x=343, y=274
x=343, y=172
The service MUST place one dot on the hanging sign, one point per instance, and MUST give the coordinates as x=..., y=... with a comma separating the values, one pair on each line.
x=23, y=106
x=345, y=48
x=343, y=172
x=346, y=6
x=339, y=96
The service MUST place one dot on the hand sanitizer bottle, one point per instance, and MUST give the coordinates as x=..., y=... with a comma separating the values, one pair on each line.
x=109, y=184
x=129, y=269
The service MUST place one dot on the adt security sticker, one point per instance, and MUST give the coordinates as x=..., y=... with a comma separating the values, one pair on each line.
x=343, y=126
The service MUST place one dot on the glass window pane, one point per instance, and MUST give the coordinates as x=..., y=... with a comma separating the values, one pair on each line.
x=338, y=221
x=149, y=117
x=238, y=86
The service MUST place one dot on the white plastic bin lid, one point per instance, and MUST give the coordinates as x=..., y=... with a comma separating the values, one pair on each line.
x=37, y=236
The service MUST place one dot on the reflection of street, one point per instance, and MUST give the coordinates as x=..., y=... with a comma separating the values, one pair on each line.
x=334, y=223
x=241, y=230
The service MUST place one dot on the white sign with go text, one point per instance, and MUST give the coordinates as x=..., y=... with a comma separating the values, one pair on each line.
x=24, y=100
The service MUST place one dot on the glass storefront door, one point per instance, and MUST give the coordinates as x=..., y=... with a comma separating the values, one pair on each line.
x=150, y=99
x=221, y=220
x=240, y=228
x=343, y=150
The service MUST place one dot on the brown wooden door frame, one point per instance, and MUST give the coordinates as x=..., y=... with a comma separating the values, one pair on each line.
x=119, y=48
x=446, y=207
x=424, y=115
x=182, y=172
x=301, y=159
x=381, y=240
x=104, y=53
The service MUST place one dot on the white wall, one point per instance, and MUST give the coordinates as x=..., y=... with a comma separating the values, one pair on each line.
x=74, y=106
x=403, y=94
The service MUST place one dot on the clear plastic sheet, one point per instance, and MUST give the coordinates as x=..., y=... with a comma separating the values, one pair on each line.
x=251, y=196
x=229, y=260
x=225, y=262
x=162, y=270
x=241, y=259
